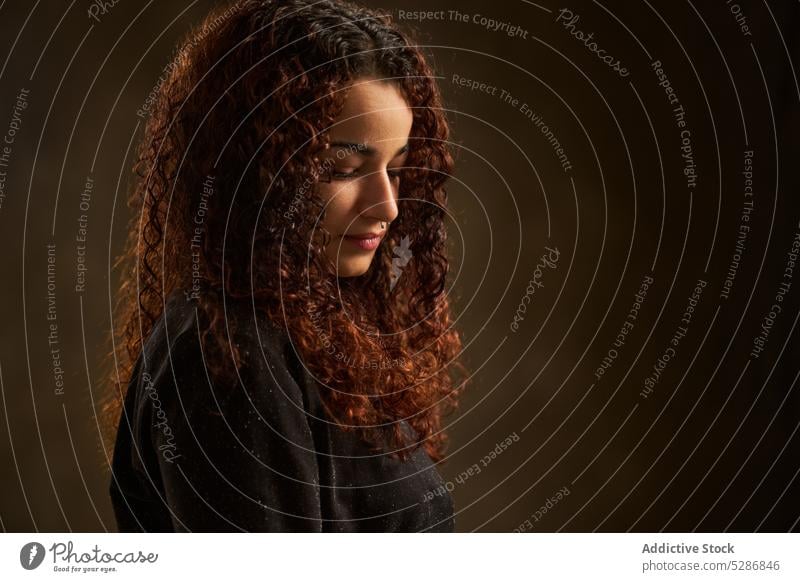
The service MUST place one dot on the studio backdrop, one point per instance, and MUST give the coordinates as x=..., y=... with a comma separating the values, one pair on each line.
x=624, y=233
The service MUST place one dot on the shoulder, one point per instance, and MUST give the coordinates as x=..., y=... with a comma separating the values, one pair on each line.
x=241, y=324
x=181, y=350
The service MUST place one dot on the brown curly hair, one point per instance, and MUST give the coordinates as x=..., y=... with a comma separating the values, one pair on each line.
x=243, y=113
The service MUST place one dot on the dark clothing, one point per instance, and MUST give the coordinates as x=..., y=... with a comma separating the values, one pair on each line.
x=260, y=455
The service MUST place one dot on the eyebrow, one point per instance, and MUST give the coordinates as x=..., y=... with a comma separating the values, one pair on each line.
x=364, y=149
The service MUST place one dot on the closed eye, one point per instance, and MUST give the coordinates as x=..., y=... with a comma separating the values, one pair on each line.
x=345, y=174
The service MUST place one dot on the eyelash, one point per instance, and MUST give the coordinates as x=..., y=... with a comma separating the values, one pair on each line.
x=393, y=174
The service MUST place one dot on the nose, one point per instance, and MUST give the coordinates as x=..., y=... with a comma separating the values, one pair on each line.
x=379, y=197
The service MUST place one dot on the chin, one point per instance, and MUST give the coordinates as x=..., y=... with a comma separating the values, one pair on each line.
x=353, y=268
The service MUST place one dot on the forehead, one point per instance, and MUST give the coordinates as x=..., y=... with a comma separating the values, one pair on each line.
x=374, y=112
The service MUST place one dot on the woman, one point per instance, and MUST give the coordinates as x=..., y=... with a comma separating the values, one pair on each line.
x=289, y=349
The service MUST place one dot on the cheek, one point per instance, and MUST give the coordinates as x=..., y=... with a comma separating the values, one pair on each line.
x=339, y=203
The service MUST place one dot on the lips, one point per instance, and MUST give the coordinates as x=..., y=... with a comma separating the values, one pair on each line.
x=368, y=241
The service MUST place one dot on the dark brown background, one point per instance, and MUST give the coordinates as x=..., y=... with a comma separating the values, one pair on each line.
x=713, y=448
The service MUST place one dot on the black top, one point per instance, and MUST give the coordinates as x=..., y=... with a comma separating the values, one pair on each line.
x=260, y=456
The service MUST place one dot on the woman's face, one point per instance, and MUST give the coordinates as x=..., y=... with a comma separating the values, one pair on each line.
x=368, y=146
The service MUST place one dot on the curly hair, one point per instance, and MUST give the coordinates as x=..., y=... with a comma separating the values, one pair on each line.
x=233, y=137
